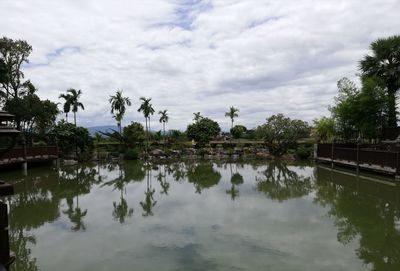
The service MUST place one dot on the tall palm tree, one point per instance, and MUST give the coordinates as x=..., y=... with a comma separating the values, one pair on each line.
x=197, y=116
x=147, y=109
x=74, y=100
x=384, y=63
x=118, y=105
x=67, y=104
x=232, y=114
x=163, y=118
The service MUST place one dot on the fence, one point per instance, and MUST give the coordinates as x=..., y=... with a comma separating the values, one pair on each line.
x=30, y=152
x=362, y=154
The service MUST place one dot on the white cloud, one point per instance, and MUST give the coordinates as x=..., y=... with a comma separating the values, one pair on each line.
x=263, y=57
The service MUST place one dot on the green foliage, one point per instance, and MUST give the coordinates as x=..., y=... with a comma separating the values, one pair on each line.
x=118, y=107
x=3, y=72
x=132, y=154
x=237, y=131
x=14, y=53
x=237, y=179
x=32, y=115
x=177, y=135
x=232, y=114
x=324, y=128
x=384, y=63
x=281, y=133
x=360, y=112
x=133, y=134
x=203, y=176
x=203, y=130
x=304, y=151
x=66, y=135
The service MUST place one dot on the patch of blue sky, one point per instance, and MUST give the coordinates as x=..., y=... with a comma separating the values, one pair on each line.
x=256, y=23
x=54, y=54
x=185, y=14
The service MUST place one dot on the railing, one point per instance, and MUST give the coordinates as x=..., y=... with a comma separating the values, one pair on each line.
x=362, y=154
x=24, y=153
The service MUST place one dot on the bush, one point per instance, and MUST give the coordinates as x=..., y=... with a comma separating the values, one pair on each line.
x=238, y=131
x=303, y=151
x=132, y=154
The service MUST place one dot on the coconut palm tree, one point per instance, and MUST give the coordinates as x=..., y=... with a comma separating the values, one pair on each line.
x=67, y=104
x=118, y=107
x=74, y=101
x=147, y=109
x=197, y=116
x=384, y=63
x=163, y=118
x=232, y=114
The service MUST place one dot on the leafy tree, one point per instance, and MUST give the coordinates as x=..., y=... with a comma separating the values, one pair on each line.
x=237, y=131
x=74, y=101
x=70, y=137
x=118, y=106
x=384, y=63
x=203, y=130
x=163, y=118
x=281, y=133
x=133, y=134
x=360, y=112
x=324, y=128
x=232, y=114
x=197, y=116
x=14, y=54
x=32, y=114
x=3, y=74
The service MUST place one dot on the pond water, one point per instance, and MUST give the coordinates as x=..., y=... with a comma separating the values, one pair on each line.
x=202, y=216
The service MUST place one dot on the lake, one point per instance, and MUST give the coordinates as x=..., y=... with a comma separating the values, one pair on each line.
x=202, y=216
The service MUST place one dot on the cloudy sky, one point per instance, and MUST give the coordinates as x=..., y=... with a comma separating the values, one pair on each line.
x=261, y=56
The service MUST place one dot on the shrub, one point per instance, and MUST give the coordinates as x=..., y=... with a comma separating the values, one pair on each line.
x=132, y=154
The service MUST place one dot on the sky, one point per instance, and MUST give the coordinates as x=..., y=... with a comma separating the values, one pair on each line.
x=261, y=56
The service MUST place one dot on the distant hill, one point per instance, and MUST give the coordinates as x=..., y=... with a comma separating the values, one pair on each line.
x=107, y=128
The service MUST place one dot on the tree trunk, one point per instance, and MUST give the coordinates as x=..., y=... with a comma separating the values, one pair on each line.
x=119, y=128
x=66, y=117
x=75, y=118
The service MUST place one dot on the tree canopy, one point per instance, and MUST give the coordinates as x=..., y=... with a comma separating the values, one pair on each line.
x=203, y=130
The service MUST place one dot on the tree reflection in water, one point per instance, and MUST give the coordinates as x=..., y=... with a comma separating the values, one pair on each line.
x=149, y=202
x=280, y=183
x=202, y=176
x=363, y=210
x=236, y=179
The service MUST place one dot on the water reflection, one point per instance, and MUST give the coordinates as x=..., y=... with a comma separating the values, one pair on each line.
x=281, y=183
x=203, y=176
x=365, y=214
x=363, y=210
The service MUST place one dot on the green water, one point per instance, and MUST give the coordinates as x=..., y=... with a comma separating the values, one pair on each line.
x=202, y=216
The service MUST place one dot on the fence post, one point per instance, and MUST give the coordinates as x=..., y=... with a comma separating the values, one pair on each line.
x=6, y=259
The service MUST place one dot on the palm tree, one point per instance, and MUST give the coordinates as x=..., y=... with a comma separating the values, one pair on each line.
x=232, y=113
x=163, y=118
x=74, y=101
x=67, y=104
x=384, y=63
x=147, y=110
x=197, y=116
x=118, y=105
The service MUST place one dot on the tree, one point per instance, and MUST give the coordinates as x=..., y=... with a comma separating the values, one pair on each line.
x=118, y=106
x=14, y=53
x=67, y=104
x=384, y=63
x=147, y=109
x=324, y=128
x=232, y=114
x=237, y=131
x=133, y=134
x=163, y=118
x=3, y=74
x=281, y=133
x=360, y=112
x=203, y=130
x=74, y=101
x=197, y=116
